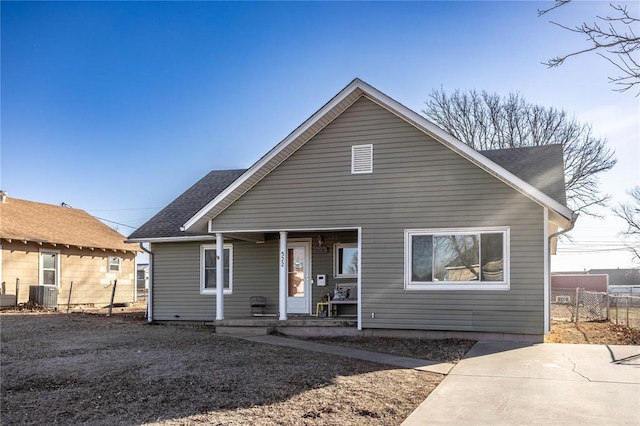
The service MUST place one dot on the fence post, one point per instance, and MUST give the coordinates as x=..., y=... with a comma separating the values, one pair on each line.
x=627, y=305
x=17, y=290
x=69, y=299
x=113, y=294
x=4, y=288
x=577, y=297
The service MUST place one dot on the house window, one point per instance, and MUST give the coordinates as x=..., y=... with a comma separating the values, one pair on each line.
x=345, y=260
x=362, y=159
x=114, y=264
x=49, y=268
x=208, y=269
x=457, y=259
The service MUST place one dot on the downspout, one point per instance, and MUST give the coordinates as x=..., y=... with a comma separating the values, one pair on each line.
x=149, y=293
x=572, y=223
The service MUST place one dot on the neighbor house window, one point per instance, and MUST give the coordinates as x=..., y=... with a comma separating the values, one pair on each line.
x=345, y=260
x=457, y=259
x=114, y=264
x=208, y=269
x=49, y=268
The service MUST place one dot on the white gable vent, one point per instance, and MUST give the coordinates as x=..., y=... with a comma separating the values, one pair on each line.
x=362, y=159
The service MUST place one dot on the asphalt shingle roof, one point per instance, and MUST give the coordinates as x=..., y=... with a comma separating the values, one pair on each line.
x=541, y=166
x=47, y=223
x=167, y=223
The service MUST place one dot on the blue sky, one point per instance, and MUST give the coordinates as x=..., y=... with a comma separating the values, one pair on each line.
x=117, y=107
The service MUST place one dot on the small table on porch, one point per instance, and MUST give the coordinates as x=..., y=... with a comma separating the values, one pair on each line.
x=333, y=305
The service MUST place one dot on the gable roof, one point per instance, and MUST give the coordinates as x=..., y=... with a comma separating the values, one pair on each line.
x=540, y=166
x=558, y=212
x=527, y=163
x=29, y=221
x=167, y=223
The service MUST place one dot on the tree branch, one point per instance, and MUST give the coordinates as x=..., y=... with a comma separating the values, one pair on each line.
x=617, y=43
x=487, y=121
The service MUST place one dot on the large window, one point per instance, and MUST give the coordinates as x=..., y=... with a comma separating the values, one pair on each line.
x=345, y=260
x=457, y=259
x=49, y=268
x=208, y=269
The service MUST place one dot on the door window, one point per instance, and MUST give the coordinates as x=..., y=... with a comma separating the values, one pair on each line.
x=296, y=271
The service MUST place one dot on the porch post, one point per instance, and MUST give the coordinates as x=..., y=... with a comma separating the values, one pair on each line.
x=284, y=276
x=219, y=277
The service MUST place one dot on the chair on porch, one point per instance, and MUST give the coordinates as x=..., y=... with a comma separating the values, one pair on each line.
x=258, y=305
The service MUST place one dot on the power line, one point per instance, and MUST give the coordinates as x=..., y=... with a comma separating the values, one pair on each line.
x=63, y=204
x=127, y=209
x=117, y=223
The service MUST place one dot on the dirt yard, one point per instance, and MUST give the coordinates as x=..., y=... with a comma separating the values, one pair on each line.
x=593, y=332
x=98, y=370
x=87, y=368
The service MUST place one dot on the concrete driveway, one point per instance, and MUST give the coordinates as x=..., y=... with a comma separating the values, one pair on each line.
x=503, y=383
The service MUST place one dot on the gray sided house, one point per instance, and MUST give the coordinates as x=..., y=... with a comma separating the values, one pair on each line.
x=425, y=232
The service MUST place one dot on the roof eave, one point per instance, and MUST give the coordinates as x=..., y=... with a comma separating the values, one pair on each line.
x=26, y=240
x=199, y=217
x=469, y=153
x=171, y=239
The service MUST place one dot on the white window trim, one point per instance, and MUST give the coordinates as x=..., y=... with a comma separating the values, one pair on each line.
x=212, y=290
x=358, y=149
x=458, y=285
x=109, y=264
x=336, y=260
x=40, y=266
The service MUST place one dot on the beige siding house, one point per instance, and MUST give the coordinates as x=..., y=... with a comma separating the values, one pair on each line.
x=368, y=196
x=54, y=246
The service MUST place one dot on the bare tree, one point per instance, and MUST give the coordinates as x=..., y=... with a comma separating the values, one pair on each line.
x=630, y=213
x=613, y=38
x=487, y=121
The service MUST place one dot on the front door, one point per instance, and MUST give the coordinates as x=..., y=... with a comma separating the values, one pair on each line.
x=299, y=277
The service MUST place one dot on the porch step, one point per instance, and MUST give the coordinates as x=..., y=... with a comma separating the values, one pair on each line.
x=297, y=331
x=230, y=330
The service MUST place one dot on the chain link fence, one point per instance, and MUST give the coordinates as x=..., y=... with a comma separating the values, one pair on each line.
x=625, y=309
x=143, y=294
x=582, y=305
x=563, y=302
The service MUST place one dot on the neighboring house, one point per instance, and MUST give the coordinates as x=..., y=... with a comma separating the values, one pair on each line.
x=604, y=280
x=628, y=277
x=48, y=245
x=566, y=283
x=429, y=233
x=142, y=276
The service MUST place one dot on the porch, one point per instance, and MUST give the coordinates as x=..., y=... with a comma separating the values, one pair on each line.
x=288, y=277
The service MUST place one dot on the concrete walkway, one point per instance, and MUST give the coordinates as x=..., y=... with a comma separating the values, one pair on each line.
x=501, y=383
x=398, y=361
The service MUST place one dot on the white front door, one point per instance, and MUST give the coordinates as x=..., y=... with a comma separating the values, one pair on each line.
x=299, y=277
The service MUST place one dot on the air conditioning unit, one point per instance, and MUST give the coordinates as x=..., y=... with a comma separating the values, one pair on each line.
x=44, y=295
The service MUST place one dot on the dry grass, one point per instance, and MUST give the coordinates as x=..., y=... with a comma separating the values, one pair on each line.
x=447, y=350
x=92, y=369
x=592, y=332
